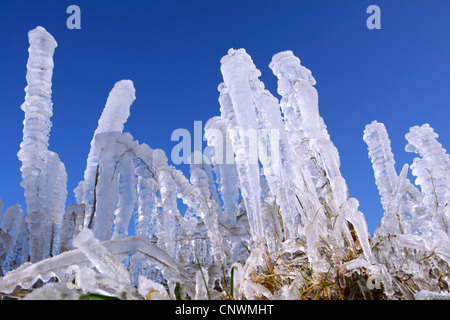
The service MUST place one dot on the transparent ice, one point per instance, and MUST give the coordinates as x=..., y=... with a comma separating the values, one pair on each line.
x=268, y=204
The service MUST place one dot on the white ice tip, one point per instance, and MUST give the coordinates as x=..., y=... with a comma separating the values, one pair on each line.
x=127, y=86
x=40, y=37
x=239, y=55
x=286, y=65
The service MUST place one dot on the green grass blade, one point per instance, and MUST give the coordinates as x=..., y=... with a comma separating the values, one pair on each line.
x=179, y=292
x=232, y=282
x=96, y=296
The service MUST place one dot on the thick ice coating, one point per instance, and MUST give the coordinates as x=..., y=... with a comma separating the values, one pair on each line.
x=43, y=174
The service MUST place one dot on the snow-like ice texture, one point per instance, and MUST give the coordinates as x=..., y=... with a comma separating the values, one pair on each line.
x=152, y=290
x=43, y=174
x=113, y=118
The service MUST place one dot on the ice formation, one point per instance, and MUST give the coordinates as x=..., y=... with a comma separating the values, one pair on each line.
x=43, y=174
x=267, y=215
x=113, y=118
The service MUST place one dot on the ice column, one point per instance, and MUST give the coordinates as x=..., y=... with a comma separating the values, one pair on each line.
x=113, y=118
x=224, y=166
x=288, y=70
x=297, y=84
x=33, y=152
x=432, y=171
x=168, y=187
x=56, y=198
x=275, y=156
x=127, y=197
x=147, y=185
x=236, y=68
x=379, y=146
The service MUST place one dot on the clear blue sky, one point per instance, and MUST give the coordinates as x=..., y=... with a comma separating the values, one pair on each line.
x=398, y=75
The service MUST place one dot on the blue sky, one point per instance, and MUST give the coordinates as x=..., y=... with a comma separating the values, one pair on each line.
x=398, y=75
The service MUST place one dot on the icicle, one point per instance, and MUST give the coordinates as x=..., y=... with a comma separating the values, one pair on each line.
x=33, y=150
x=236, y=68
x=224, y=166
x=296, y=85
x=147, y=187
x=107, y=186
x=147, y=208
x=287, y=69
x=432, y=172
x=208, y=210
x=356, y=218
x=275, y=156
x=206, y=167
x=56, y=198
x=167, y=227
x=379, y=146
x=322, y=189
x=127, y=197
x=113, y=118
x=390, y=223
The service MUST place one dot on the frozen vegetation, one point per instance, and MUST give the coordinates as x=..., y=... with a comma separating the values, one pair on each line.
x=268, y=214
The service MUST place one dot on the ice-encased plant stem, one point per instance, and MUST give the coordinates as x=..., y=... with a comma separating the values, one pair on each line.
x=379, y=145
x=433, y=173
x=113, y=118
x=43, y=173
x=236, y=68
x=318, y=182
